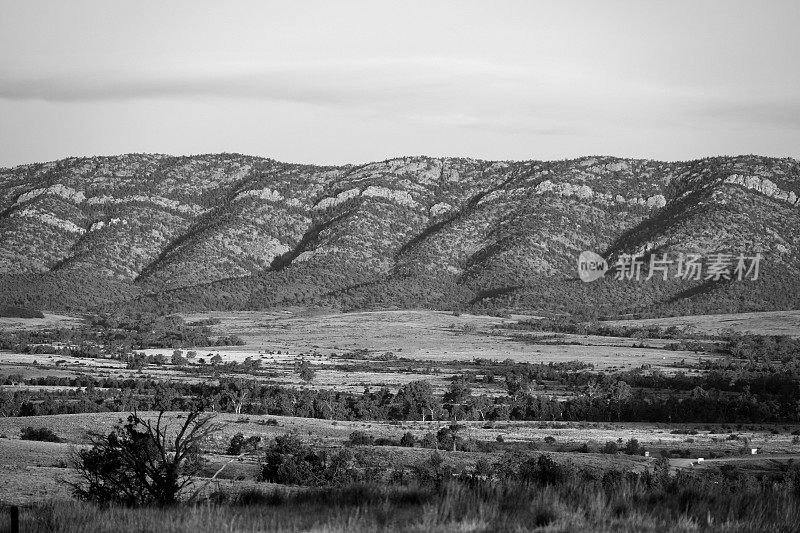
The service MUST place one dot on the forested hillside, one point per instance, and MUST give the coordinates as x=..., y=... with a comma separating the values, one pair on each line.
x=229, y=231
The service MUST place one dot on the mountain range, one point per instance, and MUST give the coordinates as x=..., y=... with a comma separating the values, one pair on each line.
x=227, y=231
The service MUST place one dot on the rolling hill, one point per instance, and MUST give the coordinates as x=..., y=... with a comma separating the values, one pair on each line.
x=227, y=231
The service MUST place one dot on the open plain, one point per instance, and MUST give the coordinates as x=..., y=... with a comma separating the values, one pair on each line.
x=431, y=346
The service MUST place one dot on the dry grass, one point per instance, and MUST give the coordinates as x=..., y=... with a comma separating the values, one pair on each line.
x=17, y=456
x=456, y=507
x=425, y=336
x=429, y=337
x=764, y=323
x=49, y=321
x=29, y=471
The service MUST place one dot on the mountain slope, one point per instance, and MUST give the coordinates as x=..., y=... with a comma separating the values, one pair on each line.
x=233, y=231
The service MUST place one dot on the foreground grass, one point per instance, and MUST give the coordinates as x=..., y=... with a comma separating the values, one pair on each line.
x=454, y=506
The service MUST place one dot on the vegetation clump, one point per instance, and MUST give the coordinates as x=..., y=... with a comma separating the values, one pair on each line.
x=141, y=462
x=40, y=434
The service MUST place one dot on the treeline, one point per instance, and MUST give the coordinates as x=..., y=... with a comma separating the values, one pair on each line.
x=577, y=327
x=628, y=397
x=767, y=349
x=108, y=334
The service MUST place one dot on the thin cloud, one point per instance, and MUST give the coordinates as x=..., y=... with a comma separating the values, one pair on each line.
x=781, y=112
x=440, y=91
x=541, y=99
x=334, y=82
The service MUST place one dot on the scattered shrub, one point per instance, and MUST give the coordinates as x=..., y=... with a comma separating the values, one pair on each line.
x=239, y=444
x=610, y=447
x=289, y=461
x=136, y=464
x=632, y=447
x=429, y=440
x=360, y=438
x=408, y=440
x=40, y=434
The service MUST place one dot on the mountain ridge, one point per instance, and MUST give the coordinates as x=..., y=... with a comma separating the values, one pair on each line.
x=438, y=232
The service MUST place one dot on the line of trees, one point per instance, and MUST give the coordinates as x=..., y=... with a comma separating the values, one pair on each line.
x=611, y=399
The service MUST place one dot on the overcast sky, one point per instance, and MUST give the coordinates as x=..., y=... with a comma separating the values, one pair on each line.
x=336, y=82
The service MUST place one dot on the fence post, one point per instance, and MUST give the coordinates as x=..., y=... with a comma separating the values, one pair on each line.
x=14, y=519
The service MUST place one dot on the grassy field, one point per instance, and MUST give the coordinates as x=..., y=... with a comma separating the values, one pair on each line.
x=426, y=336
x=33, y=469
x=430, y=346
x=453, y=508
x=429, y=337
x=763, y=323
x=50, y=320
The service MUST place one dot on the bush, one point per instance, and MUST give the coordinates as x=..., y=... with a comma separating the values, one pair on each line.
x=483, y=468
x=446, y=439
x=291, y=462
x=685, y=453
x=360, y=438
x=137, y=464
x=610, y=447
x=41, y=434
x=239, y=444
x=591, y=446
x=632, y=447
x=429, y=441
x=408, y=440
x=305, y=371
x=544, y=470
x=433, y=470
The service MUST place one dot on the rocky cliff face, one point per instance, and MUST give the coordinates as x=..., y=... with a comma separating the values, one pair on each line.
x=478, y=231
